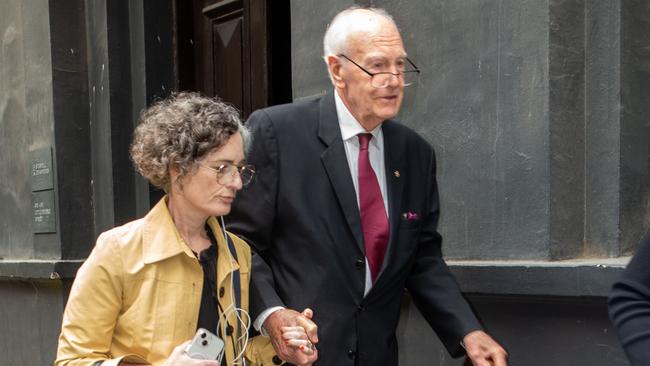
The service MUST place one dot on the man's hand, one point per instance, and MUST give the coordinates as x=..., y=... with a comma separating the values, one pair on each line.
x=301, y=350
x=482, y=350
x=297, y=336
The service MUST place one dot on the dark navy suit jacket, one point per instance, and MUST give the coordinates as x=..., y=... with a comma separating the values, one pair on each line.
x=300, y=215
x=629, y=306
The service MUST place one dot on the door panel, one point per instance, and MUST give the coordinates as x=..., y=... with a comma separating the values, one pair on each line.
x=229, y=62
x=224, y=47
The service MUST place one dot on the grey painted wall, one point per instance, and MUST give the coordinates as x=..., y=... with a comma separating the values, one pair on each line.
x=309, y=20
x=538, y=158
x=540, y=128
x=30, y=310
x=26, y=121
x=617, y=105
x=483, y=104
x=538, y=112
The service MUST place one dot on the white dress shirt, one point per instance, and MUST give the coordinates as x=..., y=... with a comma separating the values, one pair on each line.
x=350, y=128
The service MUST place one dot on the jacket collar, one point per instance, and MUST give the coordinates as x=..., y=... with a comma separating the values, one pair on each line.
x=161, y=239
x=328, y=127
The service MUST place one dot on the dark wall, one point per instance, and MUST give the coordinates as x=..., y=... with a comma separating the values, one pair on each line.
x=72, y=129
x=31, y=321
x=536, y=331
x=635, y=97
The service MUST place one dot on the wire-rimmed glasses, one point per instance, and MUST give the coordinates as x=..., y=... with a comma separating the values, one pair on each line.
x=383, y=78
x=226, y=173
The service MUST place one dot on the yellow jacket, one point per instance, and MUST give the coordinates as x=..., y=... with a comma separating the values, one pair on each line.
x=138, y=294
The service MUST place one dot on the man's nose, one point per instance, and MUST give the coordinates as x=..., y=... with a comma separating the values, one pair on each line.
x=396, y=80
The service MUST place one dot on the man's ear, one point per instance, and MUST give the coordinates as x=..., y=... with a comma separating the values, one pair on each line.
x=335, y=68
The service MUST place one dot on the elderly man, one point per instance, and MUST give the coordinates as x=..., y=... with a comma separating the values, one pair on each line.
x=344, y=213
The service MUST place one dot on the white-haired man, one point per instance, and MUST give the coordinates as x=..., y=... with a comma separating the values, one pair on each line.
x=343, y=215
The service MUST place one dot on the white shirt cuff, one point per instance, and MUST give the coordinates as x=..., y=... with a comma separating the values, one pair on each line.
x=259, y=322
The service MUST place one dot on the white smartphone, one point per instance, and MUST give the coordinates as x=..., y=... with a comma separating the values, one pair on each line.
x=205, y=346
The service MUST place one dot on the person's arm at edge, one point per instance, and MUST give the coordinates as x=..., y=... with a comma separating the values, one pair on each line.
x=629, y=305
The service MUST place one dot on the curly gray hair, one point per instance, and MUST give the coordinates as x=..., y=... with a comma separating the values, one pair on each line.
x=179, y=131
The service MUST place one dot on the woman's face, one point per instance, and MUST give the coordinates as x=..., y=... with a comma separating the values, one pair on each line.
x=201, y=193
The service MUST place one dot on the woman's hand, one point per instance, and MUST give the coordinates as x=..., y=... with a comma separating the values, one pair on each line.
x=178, y=357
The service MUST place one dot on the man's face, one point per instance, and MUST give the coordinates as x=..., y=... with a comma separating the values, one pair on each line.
x=381, y=51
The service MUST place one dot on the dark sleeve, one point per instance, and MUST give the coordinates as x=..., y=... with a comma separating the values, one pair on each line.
x=433, y=288
x=253, y=212
x=629, y=306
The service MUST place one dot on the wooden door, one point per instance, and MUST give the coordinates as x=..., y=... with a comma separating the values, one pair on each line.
x=224, y=48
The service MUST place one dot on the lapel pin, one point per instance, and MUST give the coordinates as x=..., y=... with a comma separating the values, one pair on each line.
x=411, y=216
x=396, y=173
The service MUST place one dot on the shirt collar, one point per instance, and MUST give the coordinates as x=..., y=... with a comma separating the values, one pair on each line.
x=349, y=125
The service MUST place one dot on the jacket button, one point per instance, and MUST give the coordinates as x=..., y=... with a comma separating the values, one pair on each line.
x=351, y=354
x=360, y=263
x=277, y=360
x=361, y=308
x=222, y=291
x=229, y=330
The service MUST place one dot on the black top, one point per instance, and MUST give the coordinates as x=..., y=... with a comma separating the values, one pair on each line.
x=208, y=312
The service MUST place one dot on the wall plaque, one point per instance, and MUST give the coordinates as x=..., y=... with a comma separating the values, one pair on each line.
x=41, y=171
x=44, y=213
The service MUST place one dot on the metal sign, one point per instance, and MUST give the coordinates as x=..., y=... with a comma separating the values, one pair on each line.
x=44, y=212
x=41, y=170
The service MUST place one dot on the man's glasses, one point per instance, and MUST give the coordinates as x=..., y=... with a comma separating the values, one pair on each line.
x=226, y=173
x=382, y=79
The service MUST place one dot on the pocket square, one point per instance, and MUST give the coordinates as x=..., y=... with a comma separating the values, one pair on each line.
x=411, y=216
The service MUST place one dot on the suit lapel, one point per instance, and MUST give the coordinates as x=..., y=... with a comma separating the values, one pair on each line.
x=335, y=163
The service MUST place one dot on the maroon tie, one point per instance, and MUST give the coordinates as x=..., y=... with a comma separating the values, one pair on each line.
x=374, y=221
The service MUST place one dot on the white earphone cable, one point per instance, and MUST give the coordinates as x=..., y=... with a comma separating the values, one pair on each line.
x=242, y=318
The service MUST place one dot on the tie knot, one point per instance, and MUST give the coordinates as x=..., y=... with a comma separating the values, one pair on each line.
x=364, y=140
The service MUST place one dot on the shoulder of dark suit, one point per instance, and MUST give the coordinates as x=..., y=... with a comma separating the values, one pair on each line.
x=286, y=115
x=399, y=132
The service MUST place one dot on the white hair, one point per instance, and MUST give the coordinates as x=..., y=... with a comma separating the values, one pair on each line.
x=350, y=22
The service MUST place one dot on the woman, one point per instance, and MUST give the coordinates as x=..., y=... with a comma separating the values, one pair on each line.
x=148, y=285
